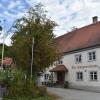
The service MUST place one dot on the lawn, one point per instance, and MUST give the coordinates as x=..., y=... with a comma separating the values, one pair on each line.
x=49, y=97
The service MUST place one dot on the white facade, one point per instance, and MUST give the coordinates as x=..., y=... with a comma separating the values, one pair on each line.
x=85, y=66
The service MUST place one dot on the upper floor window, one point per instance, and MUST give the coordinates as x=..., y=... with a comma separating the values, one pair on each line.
x=79, y=75
x=60, y=61
x=78, y=58
x=92, y=56
x=93, y=76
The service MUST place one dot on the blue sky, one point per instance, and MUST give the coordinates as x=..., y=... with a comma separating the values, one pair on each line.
x=67, y=13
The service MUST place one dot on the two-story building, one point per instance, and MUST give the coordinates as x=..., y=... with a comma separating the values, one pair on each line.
x=80, y=61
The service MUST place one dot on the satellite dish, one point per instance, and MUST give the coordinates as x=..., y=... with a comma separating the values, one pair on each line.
x=0, y=28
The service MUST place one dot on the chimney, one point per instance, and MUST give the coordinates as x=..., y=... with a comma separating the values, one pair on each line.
x=95, y=19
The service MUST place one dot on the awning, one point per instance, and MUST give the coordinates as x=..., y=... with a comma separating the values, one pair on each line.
x=59, y=68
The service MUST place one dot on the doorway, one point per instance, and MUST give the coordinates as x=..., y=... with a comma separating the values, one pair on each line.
x=61, y=77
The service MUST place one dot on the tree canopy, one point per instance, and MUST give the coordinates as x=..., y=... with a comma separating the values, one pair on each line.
x=34, y=24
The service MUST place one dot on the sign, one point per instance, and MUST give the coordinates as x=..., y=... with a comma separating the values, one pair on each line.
x=83, y=67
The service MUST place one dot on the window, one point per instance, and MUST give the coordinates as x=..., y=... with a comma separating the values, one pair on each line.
x=46, y=76
x=92, y=56
x=93, y=76
x=78, y=58
x=79, y=75
x=60, y=61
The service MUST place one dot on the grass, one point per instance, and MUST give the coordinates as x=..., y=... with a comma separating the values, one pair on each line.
x=47, y=97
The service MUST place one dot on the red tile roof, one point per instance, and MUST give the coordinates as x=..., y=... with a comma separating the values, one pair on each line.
x=59, y=68
x=78, y=39
x=7, y=61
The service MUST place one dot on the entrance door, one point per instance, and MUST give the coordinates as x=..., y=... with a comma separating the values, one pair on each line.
x=61, y=77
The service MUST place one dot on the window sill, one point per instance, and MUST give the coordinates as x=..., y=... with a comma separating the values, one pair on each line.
x=78, y=62
x=93, y=80
x=91, y=60
x=79, y=80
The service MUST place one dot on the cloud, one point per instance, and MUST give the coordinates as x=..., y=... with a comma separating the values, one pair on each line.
x=67, y=13
x=14, y=4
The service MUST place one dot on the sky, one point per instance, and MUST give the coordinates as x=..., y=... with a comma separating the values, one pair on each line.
x=66, y=13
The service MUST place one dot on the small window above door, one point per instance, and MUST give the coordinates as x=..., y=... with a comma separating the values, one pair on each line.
x=78, y=58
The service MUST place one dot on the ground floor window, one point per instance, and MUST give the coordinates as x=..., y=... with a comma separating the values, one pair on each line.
x=93, y=76
x=46, y=76
x=79, y=75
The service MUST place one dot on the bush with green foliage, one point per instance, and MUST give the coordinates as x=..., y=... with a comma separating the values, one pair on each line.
x=66, y=84
x=19, y=86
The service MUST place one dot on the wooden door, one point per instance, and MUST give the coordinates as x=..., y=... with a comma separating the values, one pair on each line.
x=61, y=77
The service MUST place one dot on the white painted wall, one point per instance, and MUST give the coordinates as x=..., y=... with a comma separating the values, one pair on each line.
x=70, y=76
x=47, y=71
x=69, y=61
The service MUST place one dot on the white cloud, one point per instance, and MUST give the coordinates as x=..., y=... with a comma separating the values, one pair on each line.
x=14, y=4
x=69, y=13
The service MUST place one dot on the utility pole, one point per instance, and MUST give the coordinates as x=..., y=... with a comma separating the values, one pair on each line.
x=32, y=57
x=3, y=45
x=5, y=34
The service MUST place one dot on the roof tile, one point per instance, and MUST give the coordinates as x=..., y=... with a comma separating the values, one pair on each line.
x=80, y=38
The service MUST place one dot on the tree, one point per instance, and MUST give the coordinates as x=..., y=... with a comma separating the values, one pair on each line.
x=7, y=51
x=34, y=24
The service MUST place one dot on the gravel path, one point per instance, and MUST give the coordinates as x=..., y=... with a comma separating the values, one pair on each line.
x=70, y=94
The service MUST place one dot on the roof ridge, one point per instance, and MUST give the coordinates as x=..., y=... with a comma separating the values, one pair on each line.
x=78, y=29
x=83, y=37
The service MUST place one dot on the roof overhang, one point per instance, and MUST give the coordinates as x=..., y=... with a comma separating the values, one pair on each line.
x=59, y=68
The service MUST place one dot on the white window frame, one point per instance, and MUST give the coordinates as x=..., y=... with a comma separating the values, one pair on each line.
x=78, y=59
x=92, y=57
x=79, y=76
x=93, y=75
x=46, y=76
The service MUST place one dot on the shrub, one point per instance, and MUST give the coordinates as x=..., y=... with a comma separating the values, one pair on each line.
x=66, y=84
x=17, y=84
x=42, y=90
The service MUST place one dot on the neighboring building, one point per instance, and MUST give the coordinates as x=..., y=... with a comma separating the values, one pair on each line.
x=80, y=61
x=7, y=62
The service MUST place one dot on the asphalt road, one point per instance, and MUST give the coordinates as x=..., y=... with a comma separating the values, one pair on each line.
x=71, y=94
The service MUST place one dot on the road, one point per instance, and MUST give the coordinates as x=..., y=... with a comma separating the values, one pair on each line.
x=71, y=94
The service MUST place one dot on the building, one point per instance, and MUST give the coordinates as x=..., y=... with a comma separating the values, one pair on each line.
x=80, y=60
x=8, y=62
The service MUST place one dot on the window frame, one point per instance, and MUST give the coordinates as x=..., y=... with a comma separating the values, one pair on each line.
x=46, y=76
x=91, y=58
x=77, y=57
x=60, y=61
x=93, y=76
x=79, y=76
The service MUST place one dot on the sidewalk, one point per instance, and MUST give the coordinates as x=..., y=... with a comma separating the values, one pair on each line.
x=71, y=94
